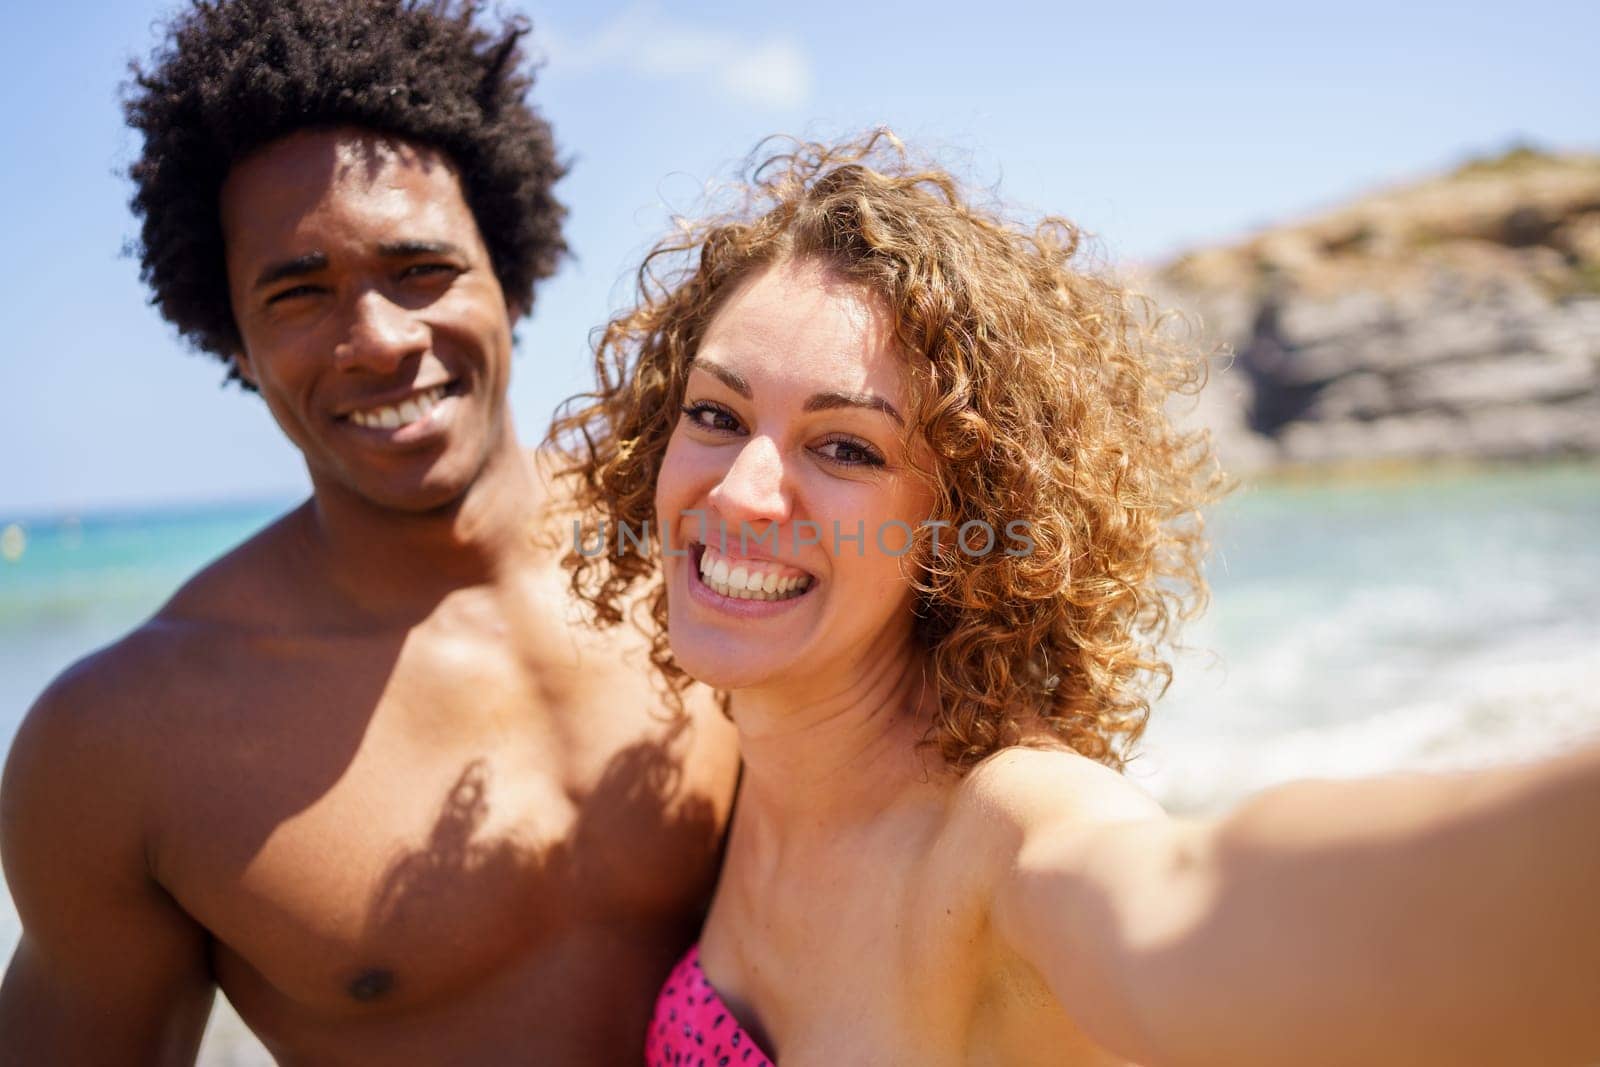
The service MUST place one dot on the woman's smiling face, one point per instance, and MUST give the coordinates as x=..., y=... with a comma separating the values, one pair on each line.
x=792, y=436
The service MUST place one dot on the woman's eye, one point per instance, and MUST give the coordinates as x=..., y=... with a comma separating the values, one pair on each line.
x=711, y=417
x=850, y=453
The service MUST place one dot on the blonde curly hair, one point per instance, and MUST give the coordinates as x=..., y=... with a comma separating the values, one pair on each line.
x=1040, y=391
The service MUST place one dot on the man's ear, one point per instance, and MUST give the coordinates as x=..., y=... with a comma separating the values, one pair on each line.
x=242, y=367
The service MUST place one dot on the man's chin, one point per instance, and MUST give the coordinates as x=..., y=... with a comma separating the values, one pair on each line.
x=436, y=493
x=416, y=483
x=427, y=498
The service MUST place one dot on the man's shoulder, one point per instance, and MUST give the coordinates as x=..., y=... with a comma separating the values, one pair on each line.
x=80, y=797
x=116, y=694
x=243, y=587
x=555, y=489
x=83, y=755
x=109, y=702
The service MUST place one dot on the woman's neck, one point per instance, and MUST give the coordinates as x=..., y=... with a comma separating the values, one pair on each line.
x=838, y=751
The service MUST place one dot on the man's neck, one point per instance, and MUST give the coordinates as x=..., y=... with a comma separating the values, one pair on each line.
x=386, y=563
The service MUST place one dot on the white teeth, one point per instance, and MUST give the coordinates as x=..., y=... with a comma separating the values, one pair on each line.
x=744, y=582
x=404, y=413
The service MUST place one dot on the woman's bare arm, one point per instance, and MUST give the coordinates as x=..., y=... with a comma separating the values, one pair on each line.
x=1445, y=919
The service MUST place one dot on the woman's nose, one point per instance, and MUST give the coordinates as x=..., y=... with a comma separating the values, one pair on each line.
x=753, y=488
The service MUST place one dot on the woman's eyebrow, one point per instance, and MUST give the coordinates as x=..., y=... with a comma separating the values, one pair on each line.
x=816, y=402
x=826, y=401
x=733, y=381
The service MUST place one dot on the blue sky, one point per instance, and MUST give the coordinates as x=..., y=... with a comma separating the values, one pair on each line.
x=1156, y=126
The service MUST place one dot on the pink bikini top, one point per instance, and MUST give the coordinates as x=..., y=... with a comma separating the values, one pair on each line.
x=692, y=1027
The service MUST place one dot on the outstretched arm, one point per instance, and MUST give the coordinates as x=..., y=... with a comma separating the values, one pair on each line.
x=109, y=970
x=1450, y=919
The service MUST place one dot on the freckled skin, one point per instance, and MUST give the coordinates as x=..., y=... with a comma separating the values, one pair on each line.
x=366, y=773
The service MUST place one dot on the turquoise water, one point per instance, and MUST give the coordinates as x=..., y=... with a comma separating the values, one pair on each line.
x=1426, y=622
x=81, y=582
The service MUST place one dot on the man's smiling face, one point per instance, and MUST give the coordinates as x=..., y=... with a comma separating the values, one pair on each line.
x=371, y=318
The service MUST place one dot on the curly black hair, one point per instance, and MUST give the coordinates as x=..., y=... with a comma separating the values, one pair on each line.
x=234, y=75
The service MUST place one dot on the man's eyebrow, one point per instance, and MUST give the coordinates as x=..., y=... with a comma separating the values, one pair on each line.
x=402, y=249
x=830, y=400
x=291, y=268
x=315, y=261
x=727, y=377
x=816, y=402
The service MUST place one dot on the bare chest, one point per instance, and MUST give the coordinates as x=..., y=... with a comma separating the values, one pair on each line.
x=366, y=833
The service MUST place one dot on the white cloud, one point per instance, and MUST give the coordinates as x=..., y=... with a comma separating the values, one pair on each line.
x=772, y=71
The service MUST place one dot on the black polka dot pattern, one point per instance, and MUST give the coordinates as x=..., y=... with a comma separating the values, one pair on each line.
x=692, y=1027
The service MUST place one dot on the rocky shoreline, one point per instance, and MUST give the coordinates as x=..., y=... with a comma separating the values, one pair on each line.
x=1457, y=319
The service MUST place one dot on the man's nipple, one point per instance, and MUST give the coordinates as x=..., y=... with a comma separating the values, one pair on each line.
x=371, y=984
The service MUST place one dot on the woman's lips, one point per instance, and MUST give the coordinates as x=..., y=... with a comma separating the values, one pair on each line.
x=789, y=585
x=749, y=578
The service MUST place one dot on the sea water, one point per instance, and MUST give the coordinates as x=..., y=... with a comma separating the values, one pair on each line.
x=1419, y=622
x=1415, y=623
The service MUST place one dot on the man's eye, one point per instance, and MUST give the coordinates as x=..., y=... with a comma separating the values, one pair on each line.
x=850, y=453
x=290, y=294
x=711, y=417
x=430, y=270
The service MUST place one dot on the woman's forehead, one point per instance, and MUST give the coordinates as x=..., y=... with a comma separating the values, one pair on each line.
x=801, y=324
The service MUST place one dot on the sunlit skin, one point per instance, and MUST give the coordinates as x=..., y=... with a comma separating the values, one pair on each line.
x=358, y=279
x=368, y=774
x=876, y=908
x=841, y=813
x=765, y=446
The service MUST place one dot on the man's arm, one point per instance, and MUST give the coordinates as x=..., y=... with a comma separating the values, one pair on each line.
x=109, y=970
x=1447, y=919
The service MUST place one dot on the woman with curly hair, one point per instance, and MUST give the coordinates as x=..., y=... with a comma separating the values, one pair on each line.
x=897, y=477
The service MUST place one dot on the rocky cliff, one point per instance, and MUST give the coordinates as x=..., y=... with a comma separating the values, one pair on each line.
x=1456, y=318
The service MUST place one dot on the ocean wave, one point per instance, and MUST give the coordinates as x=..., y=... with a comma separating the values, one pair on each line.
x=1530, y=698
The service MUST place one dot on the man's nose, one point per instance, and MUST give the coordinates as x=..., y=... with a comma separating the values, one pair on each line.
x=753, y=489
x=381, y=335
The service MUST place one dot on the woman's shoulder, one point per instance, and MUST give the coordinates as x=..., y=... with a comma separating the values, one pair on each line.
x=1007, y=816
x=1023, y=790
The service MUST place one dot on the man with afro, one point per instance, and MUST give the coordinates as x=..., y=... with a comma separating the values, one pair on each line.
x=363, y=773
